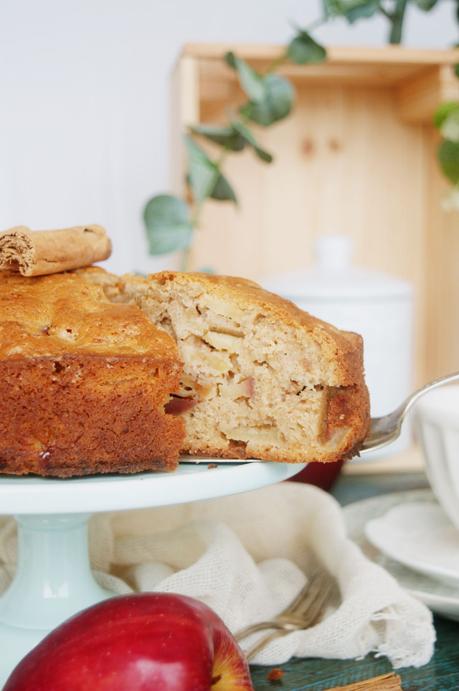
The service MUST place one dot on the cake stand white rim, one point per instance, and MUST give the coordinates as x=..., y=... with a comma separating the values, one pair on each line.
x=192, y=481
x=53, y=579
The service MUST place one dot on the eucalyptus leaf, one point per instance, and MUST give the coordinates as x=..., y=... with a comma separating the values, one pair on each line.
x=167, y=221
x=444, y=111
x=276, y=105
x=334, y=8
x=230, y=59
x=425, y=5
x=203, y=173
x=248, y=138
x=205, y=177
x=331, y=8
x=223, y=135
x=448, y=155
x=251, y=82
x=303, y=49
x=362, y=11
x=352, y=10
x=223, y=190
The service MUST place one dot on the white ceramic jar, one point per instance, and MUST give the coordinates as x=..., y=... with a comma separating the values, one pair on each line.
x=371, y=303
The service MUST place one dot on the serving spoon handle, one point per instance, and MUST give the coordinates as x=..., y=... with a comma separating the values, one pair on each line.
x=384, y=430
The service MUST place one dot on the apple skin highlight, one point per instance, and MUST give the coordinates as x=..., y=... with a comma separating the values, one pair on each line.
x=141, y=642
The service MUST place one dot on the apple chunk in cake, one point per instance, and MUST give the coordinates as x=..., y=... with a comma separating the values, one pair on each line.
x=262, y=379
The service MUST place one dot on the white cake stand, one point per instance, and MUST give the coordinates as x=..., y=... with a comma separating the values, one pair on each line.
x=53, y=576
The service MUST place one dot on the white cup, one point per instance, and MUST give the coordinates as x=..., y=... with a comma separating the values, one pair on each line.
x=437, y=426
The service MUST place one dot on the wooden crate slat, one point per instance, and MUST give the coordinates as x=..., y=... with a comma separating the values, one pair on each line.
x=418, y=97
x=357, y=155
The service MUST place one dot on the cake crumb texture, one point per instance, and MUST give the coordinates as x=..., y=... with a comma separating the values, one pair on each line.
x=262, y=379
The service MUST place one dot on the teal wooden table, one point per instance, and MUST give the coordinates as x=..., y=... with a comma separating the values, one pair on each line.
x=442, y=672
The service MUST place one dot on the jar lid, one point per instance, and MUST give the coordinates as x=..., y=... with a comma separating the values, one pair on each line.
x=334, y=277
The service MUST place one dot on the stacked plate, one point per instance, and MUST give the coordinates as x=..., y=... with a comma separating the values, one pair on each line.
x=409, y=534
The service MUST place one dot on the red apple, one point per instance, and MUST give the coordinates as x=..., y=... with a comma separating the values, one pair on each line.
x=144, y=642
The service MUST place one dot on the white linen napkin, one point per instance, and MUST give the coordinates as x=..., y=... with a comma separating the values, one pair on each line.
x=247, y=556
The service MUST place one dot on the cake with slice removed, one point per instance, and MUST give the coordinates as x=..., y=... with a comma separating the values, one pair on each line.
x=83, y=381
x=262, y=379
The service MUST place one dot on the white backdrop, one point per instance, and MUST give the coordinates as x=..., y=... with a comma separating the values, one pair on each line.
x=84, y=98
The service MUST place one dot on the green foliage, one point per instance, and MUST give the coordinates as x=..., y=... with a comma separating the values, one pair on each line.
x=249, y=140
x=425, y=5
x=205, y=177
x=270, y=98
x=226, y=136
x=444, y=111
x=251, y=81
x=446, y=119
x=304, y=49
x=448, y=155
x=394, y=11
x=223, y=191
x=167, y=220
x=234, y=137
x=276, y=104
x=352, y=10
x=202, y=172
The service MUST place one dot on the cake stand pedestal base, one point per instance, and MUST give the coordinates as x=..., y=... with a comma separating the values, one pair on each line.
x=53, y=577
x=53, y=581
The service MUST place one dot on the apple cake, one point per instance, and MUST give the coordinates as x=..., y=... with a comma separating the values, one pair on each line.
x=262, y=379
x=83, y=381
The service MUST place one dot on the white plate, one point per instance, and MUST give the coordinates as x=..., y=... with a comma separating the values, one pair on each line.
x=191, y=481
x=437, y=595
x=420, y=536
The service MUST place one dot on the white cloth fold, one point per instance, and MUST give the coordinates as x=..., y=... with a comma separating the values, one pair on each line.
x=247, y=556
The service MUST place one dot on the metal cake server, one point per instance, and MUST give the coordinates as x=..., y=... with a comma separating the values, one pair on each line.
x=383, y=430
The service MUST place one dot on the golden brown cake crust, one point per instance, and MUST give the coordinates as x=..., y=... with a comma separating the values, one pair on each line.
x=83, y=414
x=83, y=383
x=64, y=314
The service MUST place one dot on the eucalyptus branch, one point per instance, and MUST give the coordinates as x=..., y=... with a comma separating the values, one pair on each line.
x=284, y=57
x=277, y=62
x=171, y=221
x=387, y=14
x=316, y=23
x=397, y=19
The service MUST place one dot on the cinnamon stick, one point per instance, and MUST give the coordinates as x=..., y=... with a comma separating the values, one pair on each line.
x=40, y=252
x=385, y=682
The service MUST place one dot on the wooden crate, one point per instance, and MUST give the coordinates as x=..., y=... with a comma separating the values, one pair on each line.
x=357, y=155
